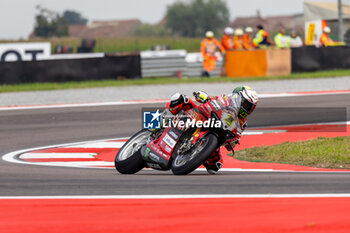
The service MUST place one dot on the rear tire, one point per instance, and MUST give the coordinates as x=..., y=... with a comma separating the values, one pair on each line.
x=129, y=160
x=184, y=164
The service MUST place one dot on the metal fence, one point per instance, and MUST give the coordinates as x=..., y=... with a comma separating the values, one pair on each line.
x=172, y=63
x=167, y=63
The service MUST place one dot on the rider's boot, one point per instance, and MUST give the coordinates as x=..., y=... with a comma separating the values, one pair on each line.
x=213, y=163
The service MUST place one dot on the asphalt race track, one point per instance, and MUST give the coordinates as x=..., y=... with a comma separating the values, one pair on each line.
x=21, y=129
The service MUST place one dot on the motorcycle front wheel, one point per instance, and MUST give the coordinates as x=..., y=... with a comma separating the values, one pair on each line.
x=129, y=160
x=187, y=162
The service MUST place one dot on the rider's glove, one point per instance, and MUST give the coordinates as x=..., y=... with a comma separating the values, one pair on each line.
x=178, y=99
x=201, y=97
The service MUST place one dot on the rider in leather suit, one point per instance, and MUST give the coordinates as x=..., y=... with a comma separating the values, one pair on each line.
x=240, y=103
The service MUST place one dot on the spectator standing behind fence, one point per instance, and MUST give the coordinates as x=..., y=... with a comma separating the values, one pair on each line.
x=227, y=39
x=324, y=39
x=281, y=40
x=238, y=39
x=247, y=38
x=261, y=37
x=208, y=49
x=295, y=40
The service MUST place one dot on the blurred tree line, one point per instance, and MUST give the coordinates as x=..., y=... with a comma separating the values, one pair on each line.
x=189, y=19
x=51, y=24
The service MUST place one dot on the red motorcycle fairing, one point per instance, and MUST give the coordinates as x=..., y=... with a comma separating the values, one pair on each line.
x=158, y=152
x=198, y=135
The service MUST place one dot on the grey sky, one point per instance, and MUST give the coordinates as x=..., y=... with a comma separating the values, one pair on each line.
x=17, y=16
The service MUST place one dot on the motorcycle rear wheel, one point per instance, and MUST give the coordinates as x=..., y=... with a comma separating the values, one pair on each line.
x=188, y=162
x=129, y=160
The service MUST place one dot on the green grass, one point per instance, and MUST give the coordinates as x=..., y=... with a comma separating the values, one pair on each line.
x=130, y=44
x=322, y=152
x=135, y=44
x=154, y=81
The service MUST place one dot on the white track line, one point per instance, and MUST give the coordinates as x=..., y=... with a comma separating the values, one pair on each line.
x=12, y=157
x=293, y=94
x=189, y=196
x=81, y=105
x=99, y=145
x=81, y=164
x=272, y=95
x=57, y=155
x=261, y=129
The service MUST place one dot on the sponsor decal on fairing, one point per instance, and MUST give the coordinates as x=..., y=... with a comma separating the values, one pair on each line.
x=169, y=141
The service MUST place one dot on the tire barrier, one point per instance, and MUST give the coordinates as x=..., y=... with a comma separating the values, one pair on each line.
x=171, y=63
x=306, y=59
x=317, y=59
x=110, y=66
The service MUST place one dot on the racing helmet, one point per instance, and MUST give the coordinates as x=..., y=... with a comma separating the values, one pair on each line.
x=249, y=100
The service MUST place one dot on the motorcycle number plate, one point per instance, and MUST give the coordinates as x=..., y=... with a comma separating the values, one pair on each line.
x=229, y=121
x=169, y=141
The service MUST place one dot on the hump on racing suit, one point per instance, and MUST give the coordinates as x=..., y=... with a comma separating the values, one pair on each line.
x=229, y=106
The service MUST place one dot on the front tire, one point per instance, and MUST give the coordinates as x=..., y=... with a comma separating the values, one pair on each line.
x=129, y=160
x=189, y=161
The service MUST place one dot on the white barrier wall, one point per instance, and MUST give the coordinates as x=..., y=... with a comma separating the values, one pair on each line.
x=25, y=51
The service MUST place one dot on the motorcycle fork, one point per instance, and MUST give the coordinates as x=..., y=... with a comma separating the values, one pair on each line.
x=197, y=135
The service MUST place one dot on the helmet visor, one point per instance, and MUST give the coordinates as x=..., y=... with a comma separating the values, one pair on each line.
x=247, y=106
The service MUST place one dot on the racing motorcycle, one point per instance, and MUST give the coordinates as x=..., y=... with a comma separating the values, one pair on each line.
x=175, y=146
